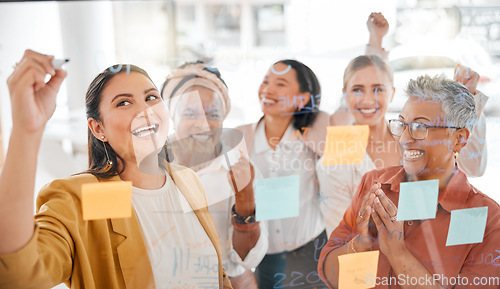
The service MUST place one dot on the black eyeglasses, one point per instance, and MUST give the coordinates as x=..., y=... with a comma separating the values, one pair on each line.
x=417, y=130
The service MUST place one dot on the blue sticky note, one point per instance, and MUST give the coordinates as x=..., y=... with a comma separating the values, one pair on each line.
x=418, y=200
x=277, y=198
x=467, y=226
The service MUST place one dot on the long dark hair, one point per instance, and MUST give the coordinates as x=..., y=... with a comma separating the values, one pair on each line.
x=308, y=82
x=97, y=155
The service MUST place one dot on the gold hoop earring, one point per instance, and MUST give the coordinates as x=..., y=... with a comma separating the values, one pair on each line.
x=455, y=155
x=109, y=163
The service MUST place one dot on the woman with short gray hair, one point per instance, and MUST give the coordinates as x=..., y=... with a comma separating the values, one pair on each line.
x=432, y=129
x=456, y=101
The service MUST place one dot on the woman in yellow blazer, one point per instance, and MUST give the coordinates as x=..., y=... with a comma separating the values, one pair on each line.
x=58, y=245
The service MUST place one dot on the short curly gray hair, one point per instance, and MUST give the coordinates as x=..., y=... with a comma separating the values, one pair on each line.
x=456, y=101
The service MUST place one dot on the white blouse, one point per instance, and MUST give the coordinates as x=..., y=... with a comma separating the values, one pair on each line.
x=338, y=185
x=290, y=157
x=179, y=249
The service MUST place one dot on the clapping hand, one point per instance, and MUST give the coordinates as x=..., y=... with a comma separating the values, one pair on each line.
x=390, y=231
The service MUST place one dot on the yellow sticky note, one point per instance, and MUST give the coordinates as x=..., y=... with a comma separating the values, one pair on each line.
x=345, y=145
x=358, y=270
x=106, y=200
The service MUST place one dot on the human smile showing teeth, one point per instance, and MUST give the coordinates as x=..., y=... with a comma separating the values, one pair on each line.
x=368, y=110
x=413, y=154
x=146, y=130
x=200, y=136
x=268, y=100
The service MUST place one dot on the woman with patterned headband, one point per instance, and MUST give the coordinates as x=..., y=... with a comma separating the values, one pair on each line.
x=199, y=102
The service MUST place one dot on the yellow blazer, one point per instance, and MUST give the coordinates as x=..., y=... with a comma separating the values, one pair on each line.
x=100, y=254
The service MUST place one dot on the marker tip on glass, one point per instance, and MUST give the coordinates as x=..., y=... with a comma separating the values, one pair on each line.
x=58, y=63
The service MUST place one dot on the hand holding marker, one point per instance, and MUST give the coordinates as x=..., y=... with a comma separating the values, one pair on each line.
x=58, y=63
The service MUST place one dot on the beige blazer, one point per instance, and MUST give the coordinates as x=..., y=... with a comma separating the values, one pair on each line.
x=96, y=254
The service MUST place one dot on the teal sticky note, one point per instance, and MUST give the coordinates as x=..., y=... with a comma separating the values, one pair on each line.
x=467, y=226
x=418, y=200
x=277, y=198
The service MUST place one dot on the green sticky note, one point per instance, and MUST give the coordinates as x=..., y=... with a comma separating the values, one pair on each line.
x=277, y=198
x=467, y=226
x=418, y=200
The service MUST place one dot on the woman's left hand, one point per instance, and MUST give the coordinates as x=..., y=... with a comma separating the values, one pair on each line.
x=390, y=232
x=470, y=79
x=466, y=76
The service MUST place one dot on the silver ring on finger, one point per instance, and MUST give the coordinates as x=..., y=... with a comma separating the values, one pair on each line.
x=360, y=215
x=393, y=219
